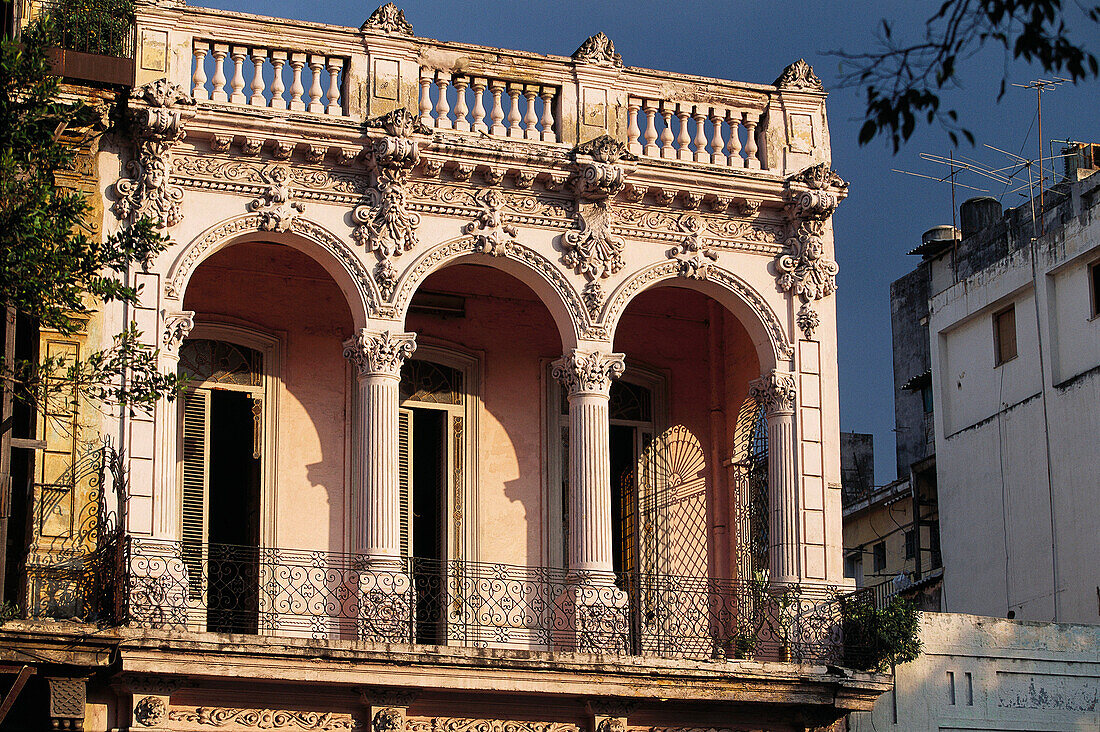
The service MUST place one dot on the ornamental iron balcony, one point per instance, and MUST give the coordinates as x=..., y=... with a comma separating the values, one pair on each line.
x=331, y=596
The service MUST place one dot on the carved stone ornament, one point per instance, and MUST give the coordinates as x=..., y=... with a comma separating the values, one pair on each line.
x=221, y=143
x=814, y=193
x=276, y=209
x=262, y=718
x=388, y=719
x=599, y=50
x=804, y=269
x=588, y=371
x=177, y=326
x=491, y=234
x=68, y=697
x=379, y=354
x=807, y=319
x=776, y=391
x=799, y=75
x=593, y=251
x=388, y=18
x=150, y=711
x=691, y=252
x=157, y=112
x=384, y=224
x=385, y=275
x=459, y=724
x=605, y=149
x=593, y=298
x=612, y=724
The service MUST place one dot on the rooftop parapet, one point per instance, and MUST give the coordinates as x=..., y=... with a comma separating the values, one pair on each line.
x=256, y=66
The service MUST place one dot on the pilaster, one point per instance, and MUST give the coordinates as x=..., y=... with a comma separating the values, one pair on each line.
x=776, y=390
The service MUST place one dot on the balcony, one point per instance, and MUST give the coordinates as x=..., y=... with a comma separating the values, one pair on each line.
x=94, y=39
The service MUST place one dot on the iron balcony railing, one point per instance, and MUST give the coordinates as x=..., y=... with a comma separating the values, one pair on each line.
x=326, y=595
x=101, y=27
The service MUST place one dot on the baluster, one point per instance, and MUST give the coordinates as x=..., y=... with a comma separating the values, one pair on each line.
x=716, y=142
x=278, y=61
x=733, y=148
x=198, y=79
x=530, y=117
x=478, y=85
x=667, y=150
x=237, y=82
x=548, y=133
x=683, y=139
x=316, y=63
x=632, y=131
x=700, y=116
x=258, y=84
x=496, y=114
x=514, y=91
x=297, y=62
x=426, y=78
x=751, y=161
x=335, y=66
x=650, y=133
x=218, y=82
x=442, y=106
x=460, y=84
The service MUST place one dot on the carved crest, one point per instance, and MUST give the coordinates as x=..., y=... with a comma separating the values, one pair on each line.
x=814, y=193
x=605, y=149
x=598, y=49
x=162, y=93
x=388, y=18
x=799, y=75
x=593, y=251
x=492, y=235
x=399, y=122
x=819, y=177
x=276, y=209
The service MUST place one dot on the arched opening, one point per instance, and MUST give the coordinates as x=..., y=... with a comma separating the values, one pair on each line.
x=268, y=397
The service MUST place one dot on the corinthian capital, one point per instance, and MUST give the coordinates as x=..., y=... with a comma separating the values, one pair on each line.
x=588, y=371
x=776, y=391
x=379, y=354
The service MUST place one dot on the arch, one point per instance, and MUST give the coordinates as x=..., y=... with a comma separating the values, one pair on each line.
x=737, y=296
x=528, y=266
x=313, y=240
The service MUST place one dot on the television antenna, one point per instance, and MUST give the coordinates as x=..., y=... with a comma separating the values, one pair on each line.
x=1041, y=85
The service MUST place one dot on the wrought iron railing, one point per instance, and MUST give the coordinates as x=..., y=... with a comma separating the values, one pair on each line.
x=102, y=27
x=314, y=594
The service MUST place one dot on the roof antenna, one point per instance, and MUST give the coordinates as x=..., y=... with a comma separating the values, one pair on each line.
x=1040, y=85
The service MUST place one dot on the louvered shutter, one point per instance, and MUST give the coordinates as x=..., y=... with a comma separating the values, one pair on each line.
x=404, y=471
x=196, y=481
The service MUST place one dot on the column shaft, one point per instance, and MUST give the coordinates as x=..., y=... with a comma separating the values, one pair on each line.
x=379, y=531
x=783, y=497
x=589, y=484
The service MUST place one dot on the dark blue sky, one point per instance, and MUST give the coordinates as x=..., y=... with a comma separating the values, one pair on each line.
x=885, y=213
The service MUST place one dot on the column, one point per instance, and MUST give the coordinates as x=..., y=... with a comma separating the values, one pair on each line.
x=776, y=391
x=587, y=376
x=177, y=325
x=378, y=357
x=386, y=609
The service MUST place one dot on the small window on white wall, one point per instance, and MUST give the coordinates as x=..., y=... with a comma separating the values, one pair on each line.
x=1094, y=289
x=1004, y=335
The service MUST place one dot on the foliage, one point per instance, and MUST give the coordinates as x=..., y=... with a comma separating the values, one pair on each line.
x=904, y=80
x=52, y=267
x=8, y=611
x=102, y=27
x=877, y=639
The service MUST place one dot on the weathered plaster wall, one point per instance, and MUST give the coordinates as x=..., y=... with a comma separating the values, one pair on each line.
x=283, y=292
x=979, y=673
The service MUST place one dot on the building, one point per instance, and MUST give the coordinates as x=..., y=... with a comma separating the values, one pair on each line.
x=512, y=399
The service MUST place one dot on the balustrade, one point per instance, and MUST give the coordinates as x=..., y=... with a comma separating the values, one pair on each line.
x=316, y=80
x=702, y=133
x=500, y=107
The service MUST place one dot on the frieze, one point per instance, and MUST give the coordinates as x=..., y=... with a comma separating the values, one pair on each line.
x=722, y=232
x=525, y=208
x=261, y=718
x=457, y=724
x=233, y=175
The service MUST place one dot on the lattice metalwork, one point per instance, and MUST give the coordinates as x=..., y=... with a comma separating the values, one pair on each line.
x=630, y=402
x=751, y=489
x=217, y=362
x=433, y=383
x=331, y=596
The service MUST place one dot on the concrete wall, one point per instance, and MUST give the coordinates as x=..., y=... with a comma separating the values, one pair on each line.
x=909, y=336
x=980, y=673
x=1016, y=442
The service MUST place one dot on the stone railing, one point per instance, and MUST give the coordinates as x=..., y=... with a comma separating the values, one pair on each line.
x=488, y=106
x=702, y=133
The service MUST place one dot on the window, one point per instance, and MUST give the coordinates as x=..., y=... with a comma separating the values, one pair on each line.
x=879, y=552
x=926, y=398
x=1004, y=335
x=910, y=544
x=1094, y=288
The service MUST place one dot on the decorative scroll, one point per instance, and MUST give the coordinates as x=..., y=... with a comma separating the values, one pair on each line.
x=455, y=724
x=599, y=50
x=598, y=176
x=799, y=75
x=177, y=326
x=262, y=718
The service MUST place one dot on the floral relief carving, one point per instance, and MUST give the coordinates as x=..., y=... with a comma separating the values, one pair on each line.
x=776, y=391
x=691, y=252
x=582, y=371
x=388, y=719
x=379, y=354
x=598, y=176
x=385, y=274
x=457, y=724
x=276, y=209
x=157, y=112
x=388, y=18
x=491, y=233
x=807, y=319
x=262, y=718
x=799, y=75
x=599, y=50
x=221, y=143
x=593, y=251
x=593, y=298
x=150, y=711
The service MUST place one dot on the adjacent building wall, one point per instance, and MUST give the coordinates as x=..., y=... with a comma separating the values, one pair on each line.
x=981, y=673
